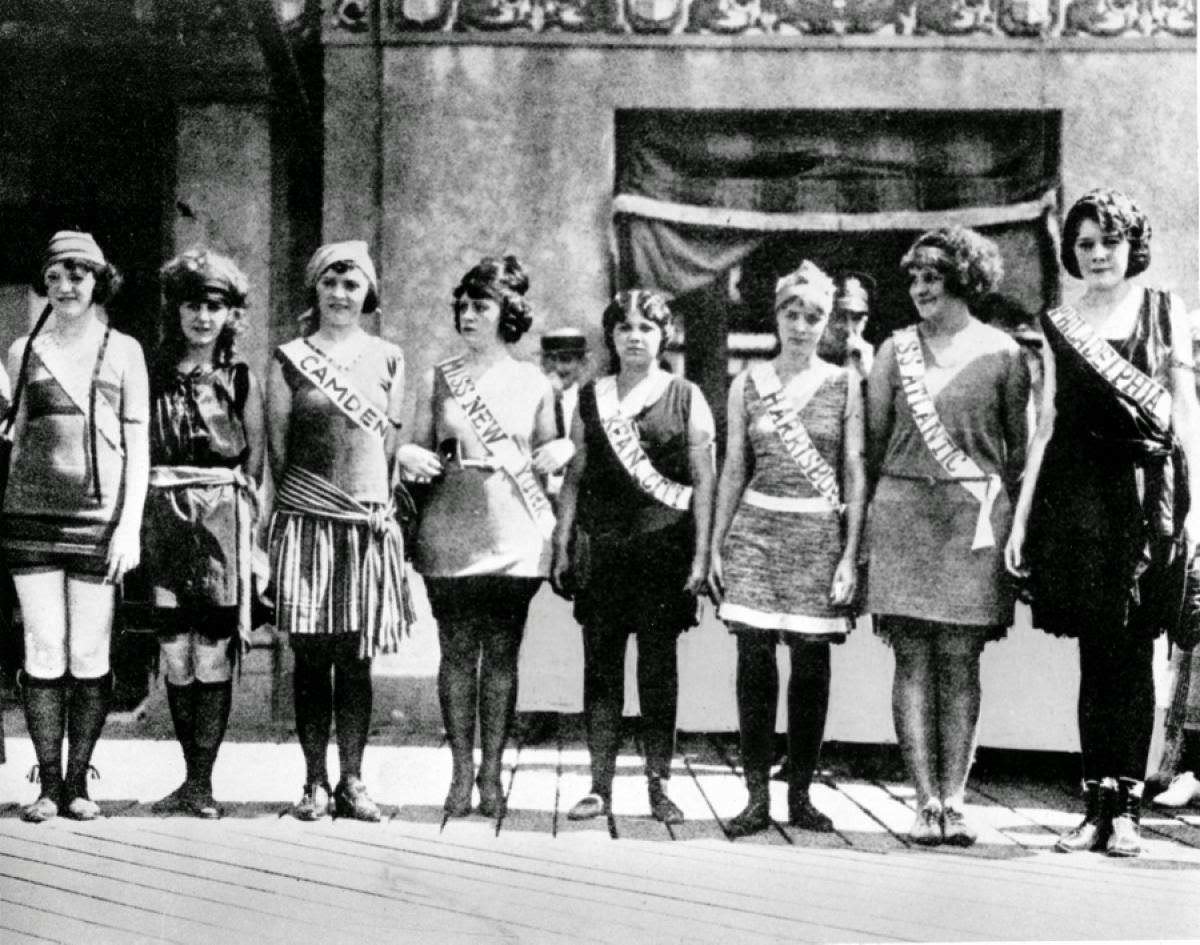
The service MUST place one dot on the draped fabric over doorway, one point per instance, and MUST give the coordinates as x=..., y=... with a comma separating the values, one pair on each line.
x=697, y=192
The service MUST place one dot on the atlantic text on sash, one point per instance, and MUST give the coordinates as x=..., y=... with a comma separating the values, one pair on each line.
x=498, y=442
x=622, y=436
x=924, y=413
x=801, y=448
x=324, y=376
x=1125, y=377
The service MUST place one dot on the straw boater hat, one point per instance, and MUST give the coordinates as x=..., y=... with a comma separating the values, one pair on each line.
x=853, y=294
x=569, y=341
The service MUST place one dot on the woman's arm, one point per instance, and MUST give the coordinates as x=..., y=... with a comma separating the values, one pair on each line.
x=702, y=465
x=415, y=457
x=854, y=492
x=254, y=420
x=731, y=484
x=279, y=411
x=568, y=498
x=550, y=451
x=1185, y=410
x=880, y=413
x=124, y=549
x=1014, y=548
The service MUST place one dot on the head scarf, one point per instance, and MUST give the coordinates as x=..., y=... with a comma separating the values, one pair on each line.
x=197, y=271
x=808, y=283
x=352, y=252
x=72, y=244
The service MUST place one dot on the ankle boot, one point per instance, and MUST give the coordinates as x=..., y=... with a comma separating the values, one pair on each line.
x=1125, y=840
x=88, y=710
x=756, y=815
x=462, y=781
x=45, y=719
x=662, y=807
x=1092, y=833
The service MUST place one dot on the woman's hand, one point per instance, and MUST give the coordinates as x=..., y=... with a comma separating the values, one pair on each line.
x=553, y=456
x=698, y=577
x=716, y=576
x=845, y=582
x=417, y=463
x=124, y=553
x=1014, y=552
x=560, y=571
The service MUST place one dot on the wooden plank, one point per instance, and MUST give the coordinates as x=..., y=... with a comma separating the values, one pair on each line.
x=855, y=823
x=700, y=822
x=222, y=881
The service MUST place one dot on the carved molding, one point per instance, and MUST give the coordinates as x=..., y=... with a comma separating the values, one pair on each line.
x=1016, y=18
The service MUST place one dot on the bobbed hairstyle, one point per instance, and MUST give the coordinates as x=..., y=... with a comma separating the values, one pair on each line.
x=108, y=278
x=194, y=276
x=503, y=280
x=969, y=262
x=647, y=303
x=1115, y=213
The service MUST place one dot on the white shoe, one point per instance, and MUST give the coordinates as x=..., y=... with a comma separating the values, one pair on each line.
x=1183, y=790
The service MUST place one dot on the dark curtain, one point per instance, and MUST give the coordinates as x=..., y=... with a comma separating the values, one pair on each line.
x=697, y=192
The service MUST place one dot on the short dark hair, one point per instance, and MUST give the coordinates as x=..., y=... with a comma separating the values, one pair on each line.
x=108, y=279
x=310, y=321
x=651, y=305
x=969, y=262
x=503, y=280
x=1113, y=212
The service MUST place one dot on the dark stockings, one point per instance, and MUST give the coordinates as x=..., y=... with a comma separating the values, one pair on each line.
x=807, y=706
x=321, y=664
x=604, y=697
x=89, y=702
x=45, y=717
x=1116, y=707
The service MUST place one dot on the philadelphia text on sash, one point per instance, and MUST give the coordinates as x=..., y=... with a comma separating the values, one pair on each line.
x=511, y=458
x=324, y=375
x=245, y=515
x=1125, y=378
x=983, y=488
x=623, y=438
x=790, y=429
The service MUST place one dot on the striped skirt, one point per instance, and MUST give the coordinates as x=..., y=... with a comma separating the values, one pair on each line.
x=337, y=565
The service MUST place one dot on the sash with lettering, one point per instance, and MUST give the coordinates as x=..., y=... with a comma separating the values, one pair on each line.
x=324, y=375
x=1125, y=379
x=627, y=447
x=512, y=459
x=790, y=429
x=982, y=487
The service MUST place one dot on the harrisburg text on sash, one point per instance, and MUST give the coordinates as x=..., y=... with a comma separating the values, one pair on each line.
x=796, y=440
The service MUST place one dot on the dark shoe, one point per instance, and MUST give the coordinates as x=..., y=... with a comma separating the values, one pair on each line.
x=492, y=802
x=177, y=802
x=352, y=800
x=754, y=818
x=314, y=803
x=955, y=829
x=458, y=798
x=927, y=828
x=1125, y=841
x=1093, y=831
x=802, y=814
x=587, y=807
x=43, y=809
x=662, y=808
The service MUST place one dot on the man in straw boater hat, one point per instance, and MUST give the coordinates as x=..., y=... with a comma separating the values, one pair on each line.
x=844, y=342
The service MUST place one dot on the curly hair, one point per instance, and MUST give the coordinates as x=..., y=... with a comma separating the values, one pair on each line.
x=108, y=279
x=647, y=303
x=969, y=263
x=504, y=281
x=194, y=276
x=1114, y=213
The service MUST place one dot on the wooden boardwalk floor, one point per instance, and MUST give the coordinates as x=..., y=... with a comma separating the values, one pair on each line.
x=256, y=876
